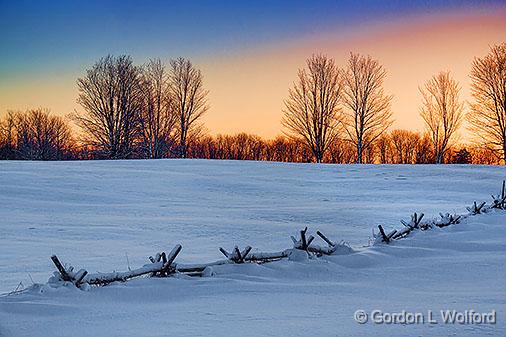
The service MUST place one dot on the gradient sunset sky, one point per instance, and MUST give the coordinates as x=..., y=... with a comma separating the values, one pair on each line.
x=249, y=51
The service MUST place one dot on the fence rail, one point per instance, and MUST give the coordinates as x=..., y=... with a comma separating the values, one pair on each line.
x=164, y=265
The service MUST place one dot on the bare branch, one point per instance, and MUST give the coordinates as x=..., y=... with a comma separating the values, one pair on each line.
x=368, y=112
x=312, y=108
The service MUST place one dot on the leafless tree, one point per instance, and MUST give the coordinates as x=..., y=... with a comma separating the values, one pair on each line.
x=312, y=108
x=190, y=100
x=285, y=149
x=341, y=151
x=368, y=112
x=8, y=138
x=484, y=155
x=369, y=154
x=384, y=149
x=488, y=111
x=441, y=111
x=424, y=150
x=111, y=96
x=404, y=144
x=158, y=118
x=36, y=135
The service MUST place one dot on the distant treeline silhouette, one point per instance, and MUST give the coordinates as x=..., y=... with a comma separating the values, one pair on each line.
x=36, y=135
x=331, y=115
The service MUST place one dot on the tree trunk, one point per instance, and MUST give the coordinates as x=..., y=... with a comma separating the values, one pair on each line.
x=359, y=152
x=504, y=151
x=439, y=158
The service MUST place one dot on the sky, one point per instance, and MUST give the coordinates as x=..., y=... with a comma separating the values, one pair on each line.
x=248, y=51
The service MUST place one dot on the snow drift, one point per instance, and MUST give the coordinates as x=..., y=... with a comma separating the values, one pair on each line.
x=96, y=212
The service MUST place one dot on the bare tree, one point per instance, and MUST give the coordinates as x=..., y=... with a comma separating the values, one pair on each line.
x=190, y=100
x=312, y=108
x=441, y=111
x=488, y=112
x=341, y=151
x=158, y=119
x=424, y=150
x=484, y=155
x=368, y=114
x=36, y=135
x=111, y=96
x=384, y=149
x=404, y=144
x=8, y=138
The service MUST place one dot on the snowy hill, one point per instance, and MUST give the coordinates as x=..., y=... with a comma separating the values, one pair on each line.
x=97, y=214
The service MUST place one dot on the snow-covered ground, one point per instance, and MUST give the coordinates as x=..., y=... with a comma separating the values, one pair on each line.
x=95, y=214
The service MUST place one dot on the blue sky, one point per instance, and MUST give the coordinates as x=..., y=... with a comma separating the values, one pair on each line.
x=38, y=36
x=248, y=51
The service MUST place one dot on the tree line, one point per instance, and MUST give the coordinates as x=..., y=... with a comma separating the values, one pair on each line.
x=395, y=147
x=332, y=114
x=327, y=103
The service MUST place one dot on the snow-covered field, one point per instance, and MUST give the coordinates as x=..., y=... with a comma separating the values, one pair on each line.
x=96, y=214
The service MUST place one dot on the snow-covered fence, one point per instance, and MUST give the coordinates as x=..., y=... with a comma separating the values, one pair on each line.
x=448, y=219
x=415, y=223
x=161, y=266
x=67, y=274
x=306, y=244
x=477, y=209
x=164, y=265
x=498, y=202
x=236, y=256
x=386, y=237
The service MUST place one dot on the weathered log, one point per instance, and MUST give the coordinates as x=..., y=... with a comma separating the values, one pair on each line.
x=476, y=209
x=193, y=268
x=245, y=253
x=406, y=224
x=383, y=235
x=306, y=243
x=331, y=249
x=163, y=266
x=224, y=252
x=321, y=250
x=303, y=239
x=324, y=238
x=303, y=243
x=63, y=272
x=415, y=221
x=172, y=256
x=236, y=256
x=499, y=201
x=68, y=275
x=267, y=257
x=403, y=233
x=447, y=220
x=106, y=278
x=79, y=276
x=386, y=238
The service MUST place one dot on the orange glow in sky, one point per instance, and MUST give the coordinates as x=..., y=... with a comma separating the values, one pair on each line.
x=247, y=87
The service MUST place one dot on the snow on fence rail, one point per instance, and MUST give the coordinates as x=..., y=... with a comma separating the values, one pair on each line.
x=164, y=265
x=498, y=202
